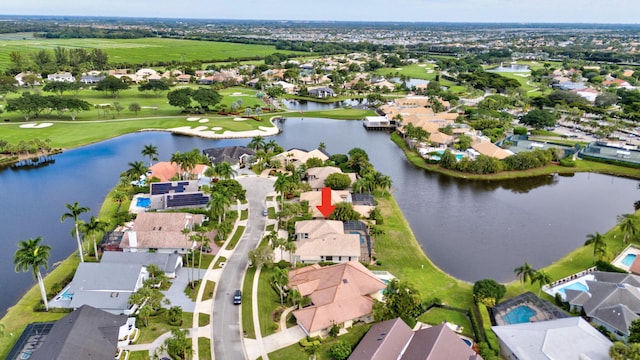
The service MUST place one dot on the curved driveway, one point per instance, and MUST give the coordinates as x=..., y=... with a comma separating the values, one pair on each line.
x=227, y=339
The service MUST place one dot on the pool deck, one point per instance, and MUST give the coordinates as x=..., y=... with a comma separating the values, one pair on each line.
x=539, y=316
x=629, y=250
x=580, y=278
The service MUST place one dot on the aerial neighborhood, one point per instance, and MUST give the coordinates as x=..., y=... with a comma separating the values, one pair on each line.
x=299, y=197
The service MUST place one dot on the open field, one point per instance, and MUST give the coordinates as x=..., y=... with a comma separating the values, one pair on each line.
x=415, y=71
x=143, y=51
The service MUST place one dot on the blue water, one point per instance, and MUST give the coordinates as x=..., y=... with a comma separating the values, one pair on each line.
x=143, y=202
x=629, y=259
x=468, y=342
x=519, y=315
x=575, y=286
x=65, y=295
x=458, y=156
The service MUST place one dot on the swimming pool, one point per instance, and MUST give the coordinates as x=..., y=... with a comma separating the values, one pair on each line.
x=64, y=295
x=518, y=315
x=458, y=155
x=629, y=259
x=575, y=286
x=143, y=202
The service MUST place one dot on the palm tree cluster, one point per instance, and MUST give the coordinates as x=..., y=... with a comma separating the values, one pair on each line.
x=265, y=150
x=527, y=273
x=187, y=162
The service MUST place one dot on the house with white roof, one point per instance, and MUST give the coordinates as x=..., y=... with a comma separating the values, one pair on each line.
x=324, y=240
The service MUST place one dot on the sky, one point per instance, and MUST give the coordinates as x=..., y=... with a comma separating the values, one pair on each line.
x=546, y=11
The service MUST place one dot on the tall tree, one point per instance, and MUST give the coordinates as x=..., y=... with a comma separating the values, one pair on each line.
x=74, y=211
x=256, y=143
x=599, y=245
x=224, y=170
x=150, y=151
x=401, y=300
x=32, y=256
x=92, y=228
x=111, y=85
x=524, y=273
x=136, y=169
x=628, y=227
x=542, y=278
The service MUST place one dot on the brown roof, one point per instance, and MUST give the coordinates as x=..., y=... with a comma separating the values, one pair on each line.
x=385, y=340
x=490, y=149
x=317, y=175
x=164, y=170
x=635, y=266
x=338, y=293
x=160, y=230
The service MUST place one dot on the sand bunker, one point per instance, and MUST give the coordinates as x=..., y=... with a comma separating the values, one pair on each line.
x=216, y=128
x=238, y=94
x=35, y=125
x=203, y=121
x=193, y=118
x=203, y=131
x=240, y=119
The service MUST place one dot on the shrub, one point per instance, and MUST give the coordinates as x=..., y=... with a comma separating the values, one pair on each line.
x=334, y=331
x=340, y=350
x=608, y=267
x=567, y=162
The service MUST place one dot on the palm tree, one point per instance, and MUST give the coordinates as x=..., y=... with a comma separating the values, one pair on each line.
x=270, y=145
x=224, y=170
x=74, y=211
x=525, y=273
x=32, y=255
x=204, y=241
x=136, y=169
x=628, y=227
x=178, y=158
x=542, y=278
x=94, y=227
x=256, y=143
x=150, y=151
x=119, y=197
x=383, y=182
x=282, y=185
x=599, y=245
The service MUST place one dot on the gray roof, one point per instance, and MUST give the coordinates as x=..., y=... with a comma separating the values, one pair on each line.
x=385, y=340
x=166, y=262
x=230, y=154
x=105, y=277
x=617, y=316
x=437, y=342
x=85, y=334
x=568, y=338
x=577, y=297
x=363, y=199
x=618, y=278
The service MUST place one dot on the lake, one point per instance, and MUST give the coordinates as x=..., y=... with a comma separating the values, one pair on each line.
x=470, y=229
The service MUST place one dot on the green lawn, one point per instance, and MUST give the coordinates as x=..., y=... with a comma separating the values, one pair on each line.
x=244, y=215
x=236, y=237
x=416, y=71
x=339, y=114
x=220, y=260
x=145, y=50
x=139, y=355
x=268, y=303
x=247, y=318
x=204, y=348
x=203, y=319
x=436, y=316
x=294, y=352
x=158, y=325
x=208, y=290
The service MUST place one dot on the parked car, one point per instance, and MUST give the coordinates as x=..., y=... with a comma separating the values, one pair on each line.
x=237, y=297
x=265, y=212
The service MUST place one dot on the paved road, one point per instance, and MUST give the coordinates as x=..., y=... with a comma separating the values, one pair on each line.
x=226, y=316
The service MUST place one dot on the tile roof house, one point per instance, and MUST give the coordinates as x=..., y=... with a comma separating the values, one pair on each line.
x=612, y=301
x=393, y=339
x=314, y=199
x=103, y=286
x=234, y=155
x=490, y=149
x=324, y=240
x=317, y=175
x=85, y=334
x=568, y=338
x=297, y=157
x=161, y=232
x=169, y=263
x=340, y=294
x=165, y=170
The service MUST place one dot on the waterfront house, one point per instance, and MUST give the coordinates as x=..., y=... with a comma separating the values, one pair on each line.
x=314, y=199
x=321, y=92
x=324, y=240
x=340, y=294
x=316, y=176
x=297, y=157
x=486, y=147
x=236, y=156
x=165, y=171
x=160, y=232
x=168, y=263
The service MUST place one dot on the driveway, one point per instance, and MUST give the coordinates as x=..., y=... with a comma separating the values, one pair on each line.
x=226, y=316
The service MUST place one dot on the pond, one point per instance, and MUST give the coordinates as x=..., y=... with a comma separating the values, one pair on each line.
x=307, y=105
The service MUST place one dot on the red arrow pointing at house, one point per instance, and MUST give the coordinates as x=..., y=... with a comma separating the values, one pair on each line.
x=326, y=208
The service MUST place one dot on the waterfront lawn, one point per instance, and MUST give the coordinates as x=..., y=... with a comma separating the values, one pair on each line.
x=399, y=253
x=436, y=316
x=295, y=352
x=247, y=318
x=338, y=114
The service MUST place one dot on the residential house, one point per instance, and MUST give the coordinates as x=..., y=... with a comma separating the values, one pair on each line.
x=384, y=85
x=588, y=93
x=314, y=199
x=63, y=76
x=21, y=82
x=86, y=334
x=147, y=74
x=619, y=83
x=237, y=156
x=393, y=339
x=321, y=92
x=183, y=79
x=169, y=263
x=317, y=175
x=103, y=286
x=91, y=79
x=175, y=194
x=324, y=240
x=568, y=338
x=490, y=149
x=160, y=232
x=340, y=294
x=165, y=171
x=297, y=157
x=612, y=301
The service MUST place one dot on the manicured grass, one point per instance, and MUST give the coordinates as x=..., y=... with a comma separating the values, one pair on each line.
x=271, y=213
x=203, y=319
x=158, y=325
x=139, y=355
x=208, y=290
x=436, y=316
x=400, y=254
x=244, y=215
x=413, y=71
x=144, y=50
x=582, y=166
x=270, y=227
x=295, y=352
x=206, y=260
x=192, y=293
x=268, y=303
x=339, y=114
x=220, y=260
x=204, y=348
x=247, y=318
x=236, y=237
